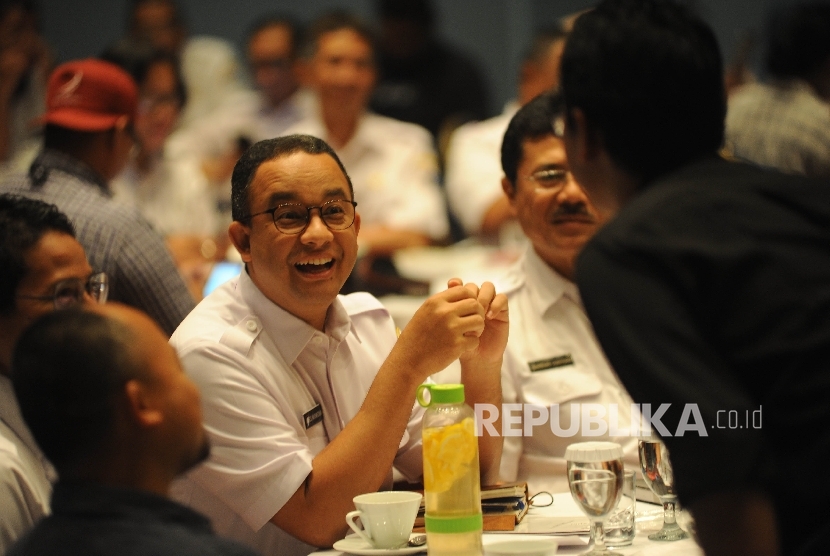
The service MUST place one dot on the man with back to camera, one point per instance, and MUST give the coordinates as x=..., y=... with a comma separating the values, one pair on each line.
x=106, y=398
x=552, y=356
x=309, y=396
x=391, y=163
x=710, y=289
x=91, y=107
x=42, y=268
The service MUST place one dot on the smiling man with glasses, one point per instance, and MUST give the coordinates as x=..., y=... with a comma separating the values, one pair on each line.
x=308, y=395
x=42, y=268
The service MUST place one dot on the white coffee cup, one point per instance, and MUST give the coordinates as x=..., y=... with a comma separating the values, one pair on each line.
x=387, y=517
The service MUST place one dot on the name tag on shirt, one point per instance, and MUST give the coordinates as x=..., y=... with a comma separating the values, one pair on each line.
x=551, y=363
x=313, y=416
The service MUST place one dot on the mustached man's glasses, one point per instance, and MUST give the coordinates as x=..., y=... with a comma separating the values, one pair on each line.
x=293, y=218
x=70, y=292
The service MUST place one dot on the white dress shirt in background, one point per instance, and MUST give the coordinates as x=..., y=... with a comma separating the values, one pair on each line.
x=393, y=168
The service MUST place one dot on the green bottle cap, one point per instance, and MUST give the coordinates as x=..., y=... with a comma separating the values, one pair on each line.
x=463, y=524
x=440, y=393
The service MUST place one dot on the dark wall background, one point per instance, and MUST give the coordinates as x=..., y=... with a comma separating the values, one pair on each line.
x=493, y=32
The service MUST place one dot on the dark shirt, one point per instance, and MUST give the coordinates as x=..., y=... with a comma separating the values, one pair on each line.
x=435, y=88
x=94, y=520
x=712, y=287
x=116, y=238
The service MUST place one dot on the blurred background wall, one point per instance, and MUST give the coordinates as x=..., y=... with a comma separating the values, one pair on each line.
x=495, y=33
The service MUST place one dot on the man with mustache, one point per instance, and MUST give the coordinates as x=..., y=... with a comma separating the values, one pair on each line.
x=552, y=356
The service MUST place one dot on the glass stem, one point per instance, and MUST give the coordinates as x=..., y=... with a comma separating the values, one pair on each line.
x=668, y=514
x=599, y=536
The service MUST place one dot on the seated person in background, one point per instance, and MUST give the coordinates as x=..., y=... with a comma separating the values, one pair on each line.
x=710, y=289
x=308, y=395
x=42, y=268
x=91, y=106
x=24, y=67
x=552, y=355
x=785, y=123
x=272, y=47
x=421, y=78
x=105, y=397
x=472, y=170
x=391, y=163
x=172, y=193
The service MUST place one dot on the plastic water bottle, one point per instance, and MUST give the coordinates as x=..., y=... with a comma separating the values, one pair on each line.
x=452, y=489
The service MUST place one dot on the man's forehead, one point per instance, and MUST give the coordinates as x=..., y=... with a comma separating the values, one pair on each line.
x=547, y=147
x=299, y=174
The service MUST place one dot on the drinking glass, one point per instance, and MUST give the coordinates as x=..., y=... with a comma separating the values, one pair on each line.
x=656, y=467
x=595, y=477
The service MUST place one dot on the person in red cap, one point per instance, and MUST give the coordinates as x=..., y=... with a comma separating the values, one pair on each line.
x=90, y=111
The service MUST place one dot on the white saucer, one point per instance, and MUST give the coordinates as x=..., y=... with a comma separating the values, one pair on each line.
x=355, y=545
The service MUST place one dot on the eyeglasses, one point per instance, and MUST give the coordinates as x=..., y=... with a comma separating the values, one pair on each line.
x=293, y=218
x=70, y=292
x=550, y=179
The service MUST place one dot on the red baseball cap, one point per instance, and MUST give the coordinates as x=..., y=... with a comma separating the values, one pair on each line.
x=89, y=95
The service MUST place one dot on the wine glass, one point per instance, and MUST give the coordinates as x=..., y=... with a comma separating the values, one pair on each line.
x=656, y=467
x=595, y=477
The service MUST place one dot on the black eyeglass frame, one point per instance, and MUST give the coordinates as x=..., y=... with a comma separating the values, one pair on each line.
x=273, y=211
x=96, y=285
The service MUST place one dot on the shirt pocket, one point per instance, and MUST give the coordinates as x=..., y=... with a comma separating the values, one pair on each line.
x=558, y=386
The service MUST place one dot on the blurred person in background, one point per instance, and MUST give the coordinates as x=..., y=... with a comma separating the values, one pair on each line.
x=272, y=49
x=421, y=79
x=784, y=123
x=159, y=23
x=172, y=193
x=42, y=268
x=90, y=119
x=472, y=172
x=391, y=163
x=24, y=69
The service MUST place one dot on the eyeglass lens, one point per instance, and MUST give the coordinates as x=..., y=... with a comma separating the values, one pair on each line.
x=71, y=292
x=293, y=218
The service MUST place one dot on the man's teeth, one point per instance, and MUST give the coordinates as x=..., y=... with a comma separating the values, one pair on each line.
x=315, y=262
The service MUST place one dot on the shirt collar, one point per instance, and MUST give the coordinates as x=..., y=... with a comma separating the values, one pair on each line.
x=290, y=333
x=545, y=285
x=50, y=159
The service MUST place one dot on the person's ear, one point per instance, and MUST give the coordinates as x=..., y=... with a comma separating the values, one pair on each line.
x=509, y=189
x=240, y=236
x=356, y=223
x=140, y=404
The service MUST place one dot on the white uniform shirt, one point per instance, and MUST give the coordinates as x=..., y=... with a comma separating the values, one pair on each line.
x=275, y=392
x=473, y=169
x=549, y=327
x=393, y=169
x=174, y=196
x=25, y=475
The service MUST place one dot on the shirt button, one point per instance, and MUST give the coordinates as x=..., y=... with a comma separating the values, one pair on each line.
x=251, y=325
x=316, y=340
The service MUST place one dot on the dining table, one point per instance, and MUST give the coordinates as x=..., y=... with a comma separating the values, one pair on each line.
x=563, y=515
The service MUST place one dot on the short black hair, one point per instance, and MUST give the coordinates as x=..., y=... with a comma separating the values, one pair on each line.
x=336, y=21
x=277, y=20
x=68, y=370
x=533, y=121
x=798, y=40
x=269, y=149
x=138, y=57
x=648, y=76
x=418, y=11
x=23, y=222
